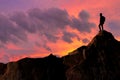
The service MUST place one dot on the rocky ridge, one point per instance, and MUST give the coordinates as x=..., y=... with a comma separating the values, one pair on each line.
x=99, y=60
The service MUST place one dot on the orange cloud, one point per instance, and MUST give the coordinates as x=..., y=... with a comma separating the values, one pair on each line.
x=44, y=40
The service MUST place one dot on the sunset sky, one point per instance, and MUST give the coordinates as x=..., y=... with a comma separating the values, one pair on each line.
x=36, y=28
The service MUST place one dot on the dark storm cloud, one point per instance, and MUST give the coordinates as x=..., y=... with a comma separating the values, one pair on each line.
x=48, y=23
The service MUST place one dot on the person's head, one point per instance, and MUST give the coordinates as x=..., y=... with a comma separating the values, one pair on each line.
x=100, y=14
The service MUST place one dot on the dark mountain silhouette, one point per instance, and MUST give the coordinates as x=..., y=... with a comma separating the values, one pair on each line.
x=48, y=68
x=99, y=60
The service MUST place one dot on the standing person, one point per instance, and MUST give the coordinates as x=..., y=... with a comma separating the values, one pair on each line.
x=102, y=20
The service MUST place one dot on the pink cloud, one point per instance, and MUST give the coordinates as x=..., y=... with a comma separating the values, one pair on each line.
x=42, y=30
x=22, y=33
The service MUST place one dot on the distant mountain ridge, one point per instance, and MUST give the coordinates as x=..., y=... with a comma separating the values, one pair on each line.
x=99, y=60
x=48, y=68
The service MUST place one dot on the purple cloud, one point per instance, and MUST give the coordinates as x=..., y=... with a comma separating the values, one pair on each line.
x=47, y=24
x=67, y=37
x=82, y=24
x=114, y=26
x=9, y=31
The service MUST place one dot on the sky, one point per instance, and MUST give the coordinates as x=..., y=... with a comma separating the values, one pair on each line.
x=36, y=28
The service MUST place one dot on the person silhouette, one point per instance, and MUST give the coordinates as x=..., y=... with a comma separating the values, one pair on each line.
x=102, y=20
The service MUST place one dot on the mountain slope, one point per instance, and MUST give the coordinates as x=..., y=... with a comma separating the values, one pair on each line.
x=48, y=68
x=99, y=60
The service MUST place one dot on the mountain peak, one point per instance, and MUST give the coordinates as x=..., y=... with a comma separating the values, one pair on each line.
x=99, y=60
x=102, y=38
x=104, y=34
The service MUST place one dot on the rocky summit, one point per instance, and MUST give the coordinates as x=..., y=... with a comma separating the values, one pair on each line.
x=99, y=60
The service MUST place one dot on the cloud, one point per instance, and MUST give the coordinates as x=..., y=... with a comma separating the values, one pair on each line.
x=9, y=32
x=82, y=24
x=55, y=19
x=52, y=18
x=43, y=45
x=84, y=15
x=85, y=40
x=50, y=22
x=114, y=26
x=47, y=24
x=23, y=21
x=67, y=36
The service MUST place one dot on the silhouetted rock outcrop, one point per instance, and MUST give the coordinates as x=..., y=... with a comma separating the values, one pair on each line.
x=48, y=68
x=99, y=60
x=2, y=68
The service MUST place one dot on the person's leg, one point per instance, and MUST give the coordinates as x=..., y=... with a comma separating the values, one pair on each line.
x=99, y=27
x=102, y=27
